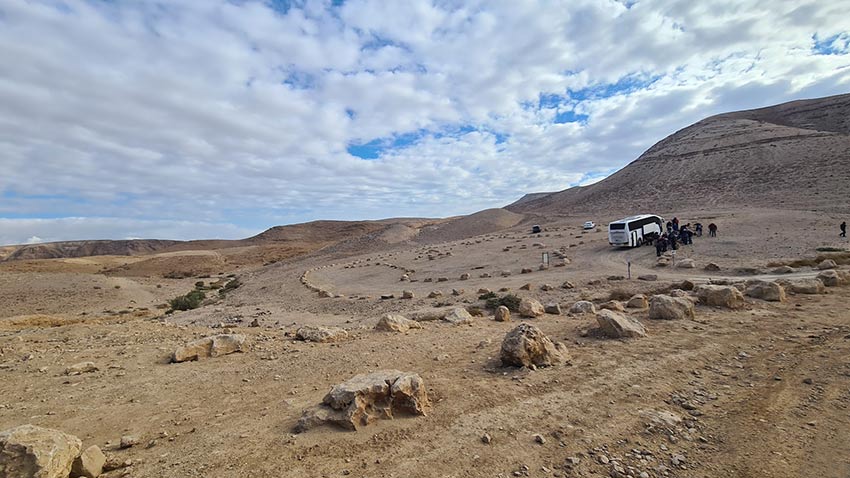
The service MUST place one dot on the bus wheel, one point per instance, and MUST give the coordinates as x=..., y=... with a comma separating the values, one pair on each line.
x=639, y=242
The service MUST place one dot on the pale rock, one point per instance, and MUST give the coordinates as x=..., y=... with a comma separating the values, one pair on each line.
x=28, y=451
x=525, y=287
x=686, y=264
x=827, y=264
x=807, y=286
x=583, y=307
x=80, y=368
x=318, y=333
x=616, y=325
x=830, y=278
x=215, y=346
x=365, y=398
x=530, y=308
x=396, y=323
x=435, y=293
x=526, y=345
x=638, y=301
x=614, y=305
x=783, y=270
x=720, y=296
x=458, y=316
x=407, y=294
x=553, y=308
x=89, y=464
x=568, y=285
x=464, y=276
x=765, y=290
x=503, y=314
x=665, y=307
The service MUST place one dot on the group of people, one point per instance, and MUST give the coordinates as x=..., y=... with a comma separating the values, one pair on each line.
x=683, y=235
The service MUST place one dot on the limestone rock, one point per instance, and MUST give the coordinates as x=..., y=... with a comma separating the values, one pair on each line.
x=407, y=294
x=317, y=333
x=807, y=286
x=546, y=287
x=638, y=301
x=765, y=290
x=525, y=287
x=505, y=273
x=720, y=296
x=666, y=307
x=616, y=325
x=396, y=323
x=28, y=451
x=783, y=270
x=583, y=307
x=553, y=308
x=712, y=267
x=568, y=285
x=526, y=345
x=678, y=293
x=830, y=278
x=324, y=294
x=648, y=277
x=530, y=308
x=89, y=464
x=503, y=314
x=365, y=398
x=82, y=367
x=614, y=305
x=214, y=346
x=435, y=293
x=458, y=316
x=484, y=290
x=686, y=264
x=827, y=264
x=464, y=276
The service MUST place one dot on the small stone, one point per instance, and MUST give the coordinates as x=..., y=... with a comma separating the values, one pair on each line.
x=539, y=438
x=128, y=441
x=486, y=439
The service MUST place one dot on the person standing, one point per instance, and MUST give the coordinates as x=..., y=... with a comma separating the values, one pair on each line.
x=843, y=227
x=712, y=230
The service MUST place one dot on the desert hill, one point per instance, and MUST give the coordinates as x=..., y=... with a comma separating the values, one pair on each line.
x=794, y=156
x=70, y=249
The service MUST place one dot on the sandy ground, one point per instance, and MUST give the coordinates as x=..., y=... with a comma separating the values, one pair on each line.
x=762, y=392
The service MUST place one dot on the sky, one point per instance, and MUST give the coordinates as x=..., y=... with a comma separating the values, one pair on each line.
x=218, y=119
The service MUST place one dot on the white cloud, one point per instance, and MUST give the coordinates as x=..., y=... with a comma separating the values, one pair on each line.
x=219, y=112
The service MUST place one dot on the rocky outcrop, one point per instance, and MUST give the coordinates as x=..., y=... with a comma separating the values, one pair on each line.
x=28, y=451
x=720, y=296
x=765, y=290
x=526, y=345
x=215, y=346
x=313, y=333
x=807, y=286
x=396, y=323
x=617, y=326
x=365, y=398
x=530, y=308
x=665, y=307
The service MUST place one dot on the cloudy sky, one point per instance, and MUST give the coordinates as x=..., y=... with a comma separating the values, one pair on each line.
x=204, y=118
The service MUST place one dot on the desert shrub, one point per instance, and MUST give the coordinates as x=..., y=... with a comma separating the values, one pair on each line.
x=487, y=296
x=620, y=294
x=192, y=300
x=199, y=284
x=510, y=301
x=234, y=283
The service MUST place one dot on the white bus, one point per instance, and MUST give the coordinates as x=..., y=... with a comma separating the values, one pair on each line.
x=633, y=231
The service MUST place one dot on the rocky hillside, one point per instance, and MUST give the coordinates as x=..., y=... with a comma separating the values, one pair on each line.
x=70, y=249
x=794, y=155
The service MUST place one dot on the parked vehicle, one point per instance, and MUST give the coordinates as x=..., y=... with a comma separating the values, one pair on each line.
x=635, y=231
x=589, y=225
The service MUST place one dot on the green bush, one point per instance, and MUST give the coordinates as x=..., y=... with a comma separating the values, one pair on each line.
x=510, y=301
x=192, y=300
x=487, y=296
x=234, y=283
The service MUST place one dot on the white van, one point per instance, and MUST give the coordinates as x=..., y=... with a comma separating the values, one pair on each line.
x=633, y=231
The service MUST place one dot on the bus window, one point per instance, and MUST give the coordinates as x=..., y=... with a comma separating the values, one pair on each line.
x=615, y=227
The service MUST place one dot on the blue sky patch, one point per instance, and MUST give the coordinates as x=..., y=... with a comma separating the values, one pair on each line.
x=570, y=116
x=833, y=45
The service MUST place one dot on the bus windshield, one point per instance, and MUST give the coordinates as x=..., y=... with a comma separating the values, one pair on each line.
x=616, y=226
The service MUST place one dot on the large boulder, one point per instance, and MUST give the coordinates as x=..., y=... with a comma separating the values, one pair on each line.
x=617, y=326
x=807, y=286
x=665, y=307
x=396, y=323
x=827, y=264
x=458, y=316
x=553, y=308
x=720, y=296
x=530, y=308
x=686, y=264
x=365, y=398
x=765, y=290
x=638, y=301
x=28, y=451
x=830, y=278
x=215, y=346
x=526, y=345
x=317, y=333
x=583, y=307
x=89, y=464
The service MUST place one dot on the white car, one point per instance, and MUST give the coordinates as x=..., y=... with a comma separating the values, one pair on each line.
x=589, y=225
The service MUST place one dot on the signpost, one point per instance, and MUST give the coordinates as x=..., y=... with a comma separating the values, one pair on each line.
x=545, y=258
